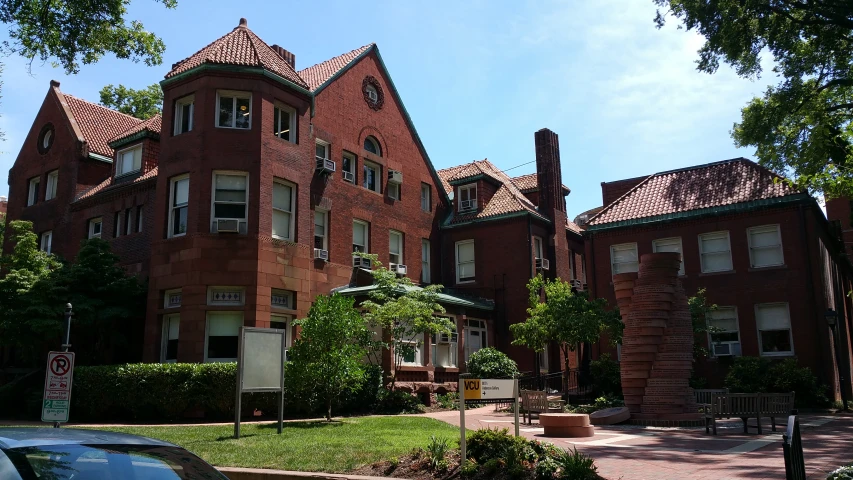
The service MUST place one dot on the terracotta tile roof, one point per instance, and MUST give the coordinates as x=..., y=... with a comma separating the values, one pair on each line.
x=705, y=186
x=573, y=227
x=108, y=184
x=317, y=75
x=243, y=48
x=99, y=124
x=529, y=183
x=507, y=199
x=153, y=125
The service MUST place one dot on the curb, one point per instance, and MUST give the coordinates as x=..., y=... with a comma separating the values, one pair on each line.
x=234, y=473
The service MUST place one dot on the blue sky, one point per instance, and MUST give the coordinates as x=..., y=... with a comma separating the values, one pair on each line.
x=478, y=78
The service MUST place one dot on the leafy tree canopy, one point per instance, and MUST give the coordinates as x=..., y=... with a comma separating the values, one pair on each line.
x=802, y=125
x=143, y=103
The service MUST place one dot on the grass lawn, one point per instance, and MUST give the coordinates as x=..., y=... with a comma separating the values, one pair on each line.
x=307, y=446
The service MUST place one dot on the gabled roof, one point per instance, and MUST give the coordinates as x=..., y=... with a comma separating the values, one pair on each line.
x=151, y=126
x=530, y=183
x=444, y=297
x=507, y=200
x=316, y=75
x=243, y=48
x=99, y=124
x=703, y=188
x=573, y=227
x=109, y=184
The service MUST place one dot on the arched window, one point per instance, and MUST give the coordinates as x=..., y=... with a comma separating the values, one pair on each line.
x=372, y=146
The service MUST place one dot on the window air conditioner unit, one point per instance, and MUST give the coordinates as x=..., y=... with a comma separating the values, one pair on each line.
x=399, y=268
x=577, y=284
x=227, y=225
x=447, y=338
x=320, y=254
x=468, y=205
x=726, y=349
x=324, y=165
x=543, y=264
x=361, y=262
x=395, y=176
x=349, y=177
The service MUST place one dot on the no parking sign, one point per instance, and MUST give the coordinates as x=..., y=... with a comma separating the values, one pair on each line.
x=56, y=403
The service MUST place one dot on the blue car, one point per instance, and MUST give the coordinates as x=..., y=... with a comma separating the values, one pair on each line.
x=72, y=454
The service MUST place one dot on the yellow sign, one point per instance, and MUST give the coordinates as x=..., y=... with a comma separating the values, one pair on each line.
x=472, y=389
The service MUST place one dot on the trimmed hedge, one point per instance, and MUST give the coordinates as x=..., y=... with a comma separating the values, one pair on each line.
x=755, y=374
x=491, y=363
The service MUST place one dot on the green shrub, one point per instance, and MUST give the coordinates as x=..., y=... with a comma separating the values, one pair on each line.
x=392, y=402
x=448, y=401
x=469, y=468
x=547, y=468
x=436, y=453
x=748, y=375
x=600, y=403
x=755, y=374
x=605, y=376
x=491, y=363
x=843, y=473
x=575, y=465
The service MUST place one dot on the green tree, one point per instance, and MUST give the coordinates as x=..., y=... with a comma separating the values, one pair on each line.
x=566, y=317
x=404, y=312
x=491, y=363
x=327, y=358
x=2, y=230
x=142, y=104
x=802, y=125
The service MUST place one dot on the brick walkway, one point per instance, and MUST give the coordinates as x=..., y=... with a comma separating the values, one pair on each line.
x=639, y=453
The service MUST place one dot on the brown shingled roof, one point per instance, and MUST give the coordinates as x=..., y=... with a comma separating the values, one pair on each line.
x=108, y=184
x=317, y=75
x=99, y=124
x=705, y=186
x=243, y=48
x=153, y=125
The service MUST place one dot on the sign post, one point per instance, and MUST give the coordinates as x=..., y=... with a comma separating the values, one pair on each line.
x=56, y=402
x=260, y=367
x=477, y=390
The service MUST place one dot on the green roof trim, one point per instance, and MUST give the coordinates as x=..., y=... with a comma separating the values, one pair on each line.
x=447, y=225
x=704, y=212
x=444, y=298
x=204, y=67
x=116, y=144
x=100, y=158
x=474, y=178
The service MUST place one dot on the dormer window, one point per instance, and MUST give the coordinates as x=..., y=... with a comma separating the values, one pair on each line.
x=235, y=109
x=468, y=197
x=184, y=109
x=372, y=146
x=129, y=161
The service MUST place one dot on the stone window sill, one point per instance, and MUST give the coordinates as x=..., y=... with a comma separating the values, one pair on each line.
x=770, y=268
x=712, y=274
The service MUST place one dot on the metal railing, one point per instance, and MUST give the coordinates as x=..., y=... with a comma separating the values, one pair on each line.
x=792, y=446
x=576, y=391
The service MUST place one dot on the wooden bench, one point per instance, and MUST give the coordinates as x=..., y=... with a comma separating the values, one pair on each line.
x=534, y=401
x=746, y=406
x=703, y=395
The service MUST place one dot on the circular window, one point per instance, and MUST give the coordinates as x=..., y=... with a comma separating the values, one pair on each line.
x=45, y=138
x=372, y=92
x=372, y=146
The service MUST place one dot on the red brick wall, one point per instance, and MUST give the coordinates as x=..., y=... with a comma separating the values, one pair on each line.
x=839, y=209
x=610, y=191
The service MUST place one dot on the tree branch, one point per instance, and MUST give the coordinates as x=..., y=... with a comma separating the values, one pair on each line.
x=842, y=106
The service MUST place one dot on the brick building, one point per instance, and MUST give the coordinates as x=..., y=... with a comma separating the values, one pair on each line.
x=763, y=250
x=247, y=197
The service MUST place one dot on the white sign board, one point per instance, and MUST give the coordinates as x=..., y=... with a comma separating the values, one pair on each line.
x=262, y=359
x=56, y=402
x=488, y=389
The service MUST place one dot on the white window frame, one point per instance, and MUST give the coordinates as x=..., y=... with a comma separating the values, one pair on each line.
x=473, y=262
x=233, y=95
x=213, y=201
x=327, y=149
x=372, y=94
x=366, y=238
x=763, y=229
x=399, y=235
x=287, y=320
x=325, y=235
x=166, y=336
x=52, y=182
x=426, y=253
x=418, y=341
x=292, y=212
x=168, y=295
x=377, y=175
x=702, y=252
x=285, y=294
x=353, y=162
x=452, y=347
x=614, y=265
x=710, y=319
x=656, y=245
x=471, y=187
x=137, y=160
x=45, y=141
x=92, y=223
x=207, y=336
x=179, y=114
x=426, y=197
x=173, y=208
x=482, y=327
x=759, y=330
x=117, y=224
x=212, y=291
x=537, y=248
x=376, y=145
x=33, y=191
x=45, y=240
x=393, y=190
x=128, y=225
x=291, y=114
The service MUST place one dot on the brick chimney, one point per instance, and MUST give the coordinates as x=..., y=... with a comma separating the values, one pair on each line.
x=287, y=56
x=552, y=203
x=4, y=204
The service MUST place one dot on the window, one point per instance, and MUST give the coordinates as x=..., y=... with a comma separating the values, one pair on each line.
x=724, y=321
x=235, y=109
x=476, y=336
x=468, y=197
x=543, y=359
x=537, y=247
x=117, y=224
x=184, y=110
x=715, y=252
x=95, y=226
x=226, y=296
x=283, y=322
x=359, y=236
x=321, y=237
x=45, y=141
x=425, y=263
x=372, y=146
x=171, y=330
x=395, y=247
x=283, y=200
x=322, y=149
x=670, y=245
x=172, y=298
x=372, y=94
x=223, y=331
x=411, y=350
x=572, y=265
x=129, y=161
x=284, y=122
x=445, y=348
x=46, y=239
x=52, y=181
x=282, y=299
x=393, y=190
x=33, y=192
x=178, y=202
x=371, y=177
x=229, y=197
x=348, y=169
x=128, y=225
x=765, y=246
x=426, y=197
x=774, y=329
x=139, y=218
x=465, y=261
x=623, y=258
